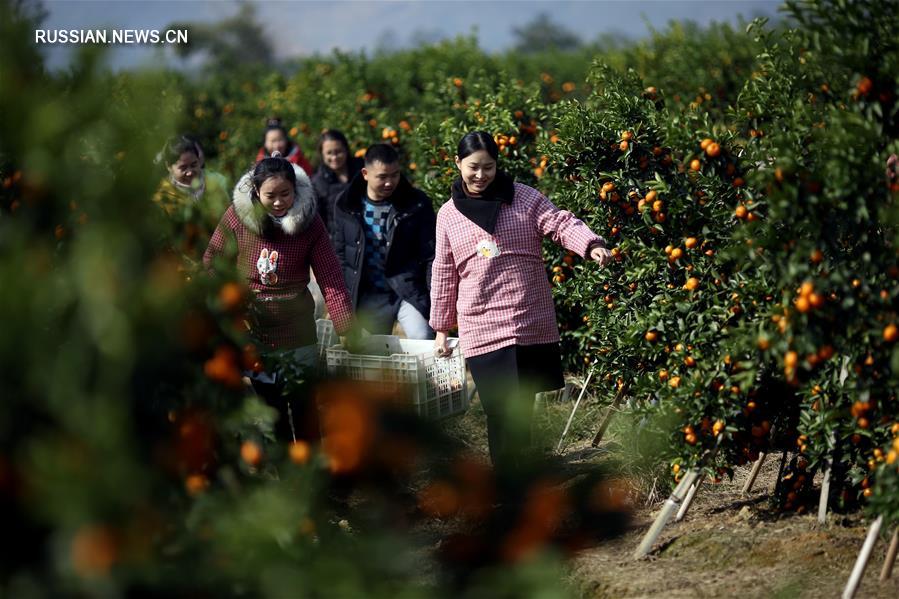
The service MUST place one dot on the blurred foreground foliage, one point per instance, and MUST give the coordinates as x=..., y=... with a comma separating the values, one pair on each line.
x=133, y=461
x=751, y=306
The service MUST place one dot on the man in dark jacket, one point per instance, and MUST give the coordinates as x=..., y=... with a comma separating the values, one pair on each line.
x=384, y=236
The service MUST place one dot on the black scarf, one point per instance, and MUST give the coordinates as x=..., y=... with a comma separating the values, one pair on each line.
x=484, y=211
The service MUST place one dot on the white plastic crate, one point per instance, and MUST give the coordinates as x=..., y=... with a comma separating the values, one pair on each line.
x=437, y=386
x=327, y=336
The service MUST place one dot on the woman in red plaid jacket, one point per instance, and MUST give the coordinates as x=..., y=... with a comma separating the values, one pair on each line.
x=279, y=235
x=489, y=278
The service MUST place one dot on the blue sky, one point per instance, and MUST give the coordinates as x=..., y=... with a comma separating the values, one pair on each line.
x=306, y=27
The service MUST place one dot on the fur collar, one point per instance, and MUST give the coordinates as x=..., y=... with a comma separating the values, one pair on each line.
x=297, y=219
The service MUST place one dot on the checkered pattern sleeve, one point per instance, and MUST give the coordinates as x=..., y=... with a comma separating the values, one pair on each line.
x=444, y=280
x=216, y=245
x=563, y=227
x=327, y=272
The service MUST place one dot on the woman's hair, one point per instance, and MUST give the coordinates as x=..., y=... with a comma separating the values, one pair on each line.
x=476, y=141
x=268, y=168
x=332, y=135
x=274, y=124
x=176, y=146
x=200, y=153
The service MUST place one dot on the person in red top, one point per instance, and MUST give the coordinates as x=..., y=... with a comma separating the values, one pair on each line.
x=488, y=277
x=279, y=236
x=276, y=139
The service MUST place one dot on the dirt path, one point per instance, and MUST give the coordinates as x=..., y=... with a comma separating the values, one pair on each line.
x=727, y=546
x=732, y=546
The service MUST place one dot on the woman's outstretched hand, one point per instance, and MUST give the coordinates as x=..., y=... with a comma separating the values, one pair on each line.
x=601, y=255
x=441, y=347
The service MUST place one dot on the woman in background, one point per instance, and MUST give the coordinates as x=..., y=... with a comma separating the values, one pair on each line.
x=192, y=200
x=276, y=139
x=335, y=171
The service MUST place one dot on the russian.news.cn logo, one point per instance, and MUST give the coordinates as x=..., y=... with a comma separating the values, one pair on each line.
x=110, y=36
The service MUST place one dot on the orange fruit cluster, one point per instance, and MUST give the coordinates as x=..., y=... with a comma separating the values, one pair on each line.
x=808, y=299
x=223, y=367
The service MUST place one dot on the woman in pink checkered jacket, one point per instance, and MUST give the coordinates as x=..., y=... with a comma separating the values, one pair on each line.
x=489, y=279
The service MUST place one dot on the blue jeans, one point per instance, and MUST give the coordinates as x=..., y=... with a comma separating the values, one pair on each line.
x=378, y=312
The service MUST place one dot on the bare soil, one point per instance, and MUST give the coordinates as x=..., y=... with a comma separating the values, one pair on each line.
x=728, y=545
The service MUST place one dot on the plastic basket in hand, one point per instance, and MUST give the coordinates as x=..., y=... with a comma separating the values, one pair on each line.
x=437, y=386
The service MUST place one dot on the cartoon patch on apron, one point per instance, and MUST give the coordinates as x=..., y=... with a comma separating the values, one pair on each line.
x=488, y=248
x=266, y=265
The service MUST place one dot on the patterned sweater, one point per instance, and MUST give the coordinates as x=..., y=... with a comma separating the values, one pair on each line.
x=276, y=265
x=495, y=286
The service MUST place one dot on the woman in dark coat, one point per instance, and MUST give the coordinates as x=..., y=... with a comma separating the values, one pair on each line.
x=335, y=171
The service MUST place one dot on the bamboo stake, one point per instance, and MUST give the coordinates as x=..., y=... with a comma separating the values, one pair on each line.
x=825, y=492
x=668, y=508
x=607, y=418
x=753, y=474
x=674, y=501
x=862, y=561
x=574, y=409
x=564, y=393
x=887, y=571
x=682, y=512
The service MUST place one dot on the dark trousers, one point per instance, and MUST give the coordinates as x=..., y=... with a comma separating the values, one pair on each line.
x=289, y=388
x=507, y=380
